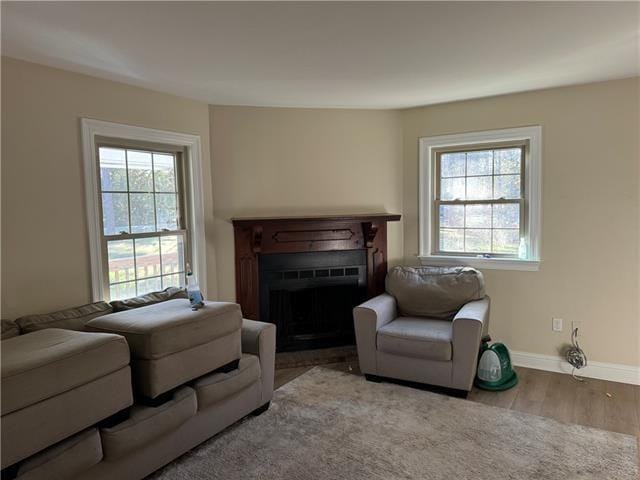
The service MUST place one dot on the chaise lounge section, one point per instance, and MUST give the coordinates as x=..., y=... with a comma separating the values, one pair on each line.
x=57, y=382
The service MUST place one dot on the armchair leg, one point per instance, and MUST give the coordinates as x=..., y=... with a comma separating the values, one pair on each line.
x=458, y=393
x=260, y=410
x=372, y=378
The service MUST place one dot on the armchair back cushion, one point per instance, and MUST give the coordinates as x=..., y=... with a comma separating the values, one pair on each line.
x=434, y=292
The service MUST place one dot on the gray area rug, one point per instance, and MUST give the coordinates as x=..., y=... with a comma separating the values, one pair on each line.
x=333, y=425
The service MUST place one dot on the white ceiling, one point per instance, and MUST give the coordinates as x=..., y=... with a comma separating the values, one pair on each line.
x=333, y=54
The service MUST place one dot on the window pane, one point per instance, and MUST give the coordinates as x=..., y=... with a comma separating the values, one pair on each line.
x=113, y=170
x=480, y=163
x=479, y=188
x=120, y=258
x=142, y=213
x=172, y=254
x=506, y=241
x=478, y=240
x=164, y=172
x=478, y=216
x=452, y=165
x=149, y=285
x=451, y=239
x=507, y=186
x=507, y=161
x=167, y=211
x=506, y=216
x=115, y=213
x=148, y=257
x=452, y=216
x=176, y=280
x=452, y=189
x=140, y=172
x=122, y=290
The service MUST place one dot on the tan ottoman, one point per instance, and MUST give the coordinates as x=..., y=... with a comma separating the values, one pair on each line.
x=57, y=382
x=172, y=344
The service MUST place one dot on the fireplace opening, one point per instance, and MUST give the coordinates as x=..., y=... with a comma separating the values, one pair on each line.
x=310, y=296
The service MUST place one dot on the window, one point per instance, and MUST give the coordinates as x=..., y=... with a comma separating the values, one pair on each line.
x=143, y=225
x=480, y=199
x=145, y=212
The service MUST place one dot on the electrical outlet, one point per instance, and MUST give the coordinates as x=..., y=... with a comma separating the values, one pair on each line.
x=556, y=324
x=576, y=324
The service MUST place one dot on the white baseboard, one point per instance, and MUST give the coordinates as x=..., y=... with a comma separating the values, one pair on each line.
x=613, y=372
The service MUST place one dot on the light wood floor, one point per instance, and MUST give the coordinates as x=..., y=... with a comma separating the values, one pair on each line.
x=594, y=403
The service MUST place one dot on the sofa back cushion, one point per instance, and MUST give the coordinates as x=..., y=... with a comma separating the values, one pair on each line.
x=434, y=292
x=152, y=298
x=9, y=329
x=69, y=319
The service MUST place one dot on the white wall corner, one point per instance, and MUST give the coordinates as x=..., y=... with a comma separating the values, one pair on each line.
x=613, y=372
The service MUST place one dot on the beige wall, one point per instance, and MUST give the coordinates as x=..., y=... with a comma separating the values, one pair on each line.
x=45, y=249
x=283, y=161
x=274, y=161
x=590, y=236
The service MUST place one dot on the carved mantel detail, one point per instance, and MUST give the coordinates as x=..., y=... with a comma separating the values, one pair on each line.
x=370, y=230
x=261, y=236
x=256, y=238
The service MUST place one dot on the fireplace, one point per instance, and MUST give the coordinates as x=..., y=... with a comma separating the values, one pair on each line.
x=305, y=275
x=310, y=296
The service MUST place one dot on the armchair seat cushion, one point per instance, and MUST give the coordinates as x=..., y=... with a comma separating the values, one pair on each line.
x=417, y=337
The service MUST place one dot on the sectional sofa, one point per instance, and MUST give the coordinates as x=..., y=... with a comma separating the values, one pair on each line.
x=118, y=390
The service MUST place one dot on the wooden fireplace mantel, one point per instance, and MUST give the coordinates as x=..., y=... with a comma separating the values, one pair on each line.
x=264, y=235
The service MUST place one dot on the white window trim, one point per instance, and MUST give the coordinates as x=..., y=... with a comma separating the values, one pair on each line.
x=533, y=179
x=93, y=128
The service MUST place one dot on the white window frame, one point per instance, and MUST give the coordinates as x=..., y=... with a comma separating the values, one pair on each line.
x=533, y=196
x=195, y=206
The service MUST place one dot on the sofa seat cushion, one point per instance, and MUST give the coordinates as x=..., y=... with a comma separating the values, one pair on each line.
x=215, y=387
x=43, y=364
x=434, y=292
x=417, y=337
x=165, y=328
x=64, y=460
x=146, y=424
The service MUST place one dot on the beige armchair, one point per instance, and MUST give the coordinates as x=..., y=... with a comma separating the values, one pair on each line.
x=427, y=328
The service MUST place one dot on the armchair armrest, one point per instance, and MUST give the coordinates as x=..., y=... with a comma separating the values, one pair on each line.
x=259, y=338
x=469, y=324
x=367, y=319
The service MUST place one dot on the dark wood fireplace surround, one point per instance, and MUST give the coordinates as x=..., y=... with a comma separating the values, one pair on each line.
x=263, y=236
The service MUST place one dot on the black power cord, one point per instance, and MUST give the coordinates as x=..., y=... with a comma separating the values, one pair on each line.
x=575, y=355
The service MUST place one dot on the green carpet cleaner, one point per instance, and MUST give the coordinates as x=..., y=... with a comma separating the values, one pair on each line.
x=495, y=372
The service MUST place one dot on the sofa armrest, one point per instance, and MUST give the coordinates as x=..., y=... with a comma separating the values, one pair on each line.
x=259, y=338
x=367, y=319
x=469, y=324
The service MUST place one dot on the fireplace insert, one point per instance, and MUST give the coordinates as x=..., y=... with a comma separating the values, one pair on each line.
x=310, y=296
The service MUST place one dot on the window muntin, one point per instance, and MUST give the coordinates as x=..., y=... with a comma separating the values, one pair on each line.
x=143, y=229
x=479, y=206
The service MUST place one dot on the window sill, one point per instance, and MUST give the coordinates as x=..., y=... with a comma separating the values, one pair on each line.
x=482, y=263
